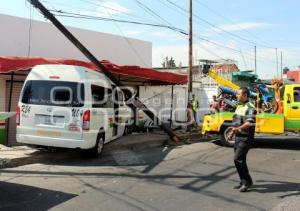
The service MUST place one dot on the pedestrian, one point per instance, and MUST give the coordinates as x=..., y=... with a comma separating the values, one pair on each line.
x=243, y=132
x=214, y=105
x=195, y=108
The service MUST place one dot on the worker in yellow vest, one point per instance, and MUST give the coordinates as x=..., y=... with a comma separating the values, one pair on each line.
x=195, y=108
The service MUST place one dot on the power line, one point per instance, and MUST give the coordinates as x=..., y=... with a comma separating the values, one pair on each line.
x=128, y=41
x=91, y=11
x=145, y=7
x=232, y=22
x=217, y=28
x=180, y=9
x=76, y=15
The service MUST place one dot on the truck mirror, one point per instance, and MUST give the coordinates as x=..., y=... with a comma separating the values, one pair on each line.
x=288, y=98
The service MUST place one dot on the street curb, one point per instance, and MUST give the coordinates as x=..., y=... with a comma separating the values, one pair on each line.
x=40, y=157
x=137, y=142
x=48, y=157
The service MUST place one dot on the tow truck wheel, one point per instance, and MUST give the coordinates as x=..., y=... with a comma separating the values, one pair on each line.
x=225, y=139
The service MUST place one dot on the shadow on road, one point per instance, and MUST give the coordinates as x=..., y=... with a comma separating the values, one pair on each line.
x=23, y=197
x=262, y=186
x=273, y=143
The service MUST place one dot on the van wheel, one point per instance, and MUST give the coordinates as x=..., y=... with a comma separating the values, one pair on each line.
x=98, y=148
x=226, y=142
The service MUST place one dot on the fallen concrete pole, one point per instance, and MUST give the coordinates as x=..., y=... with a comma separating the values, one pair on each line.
x=135, y=102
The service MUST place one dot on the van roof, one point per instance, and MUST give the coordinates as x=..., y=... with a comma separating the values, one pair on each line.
x=69, y=73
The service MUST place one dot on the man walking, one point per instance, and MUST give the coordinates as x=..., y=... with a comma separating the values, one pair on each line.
x=195, y=107
x=244, y=129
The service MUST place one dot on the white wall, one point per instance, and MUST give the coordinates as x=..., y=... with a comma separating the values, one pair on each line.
x=158, y=98
x=47, y=41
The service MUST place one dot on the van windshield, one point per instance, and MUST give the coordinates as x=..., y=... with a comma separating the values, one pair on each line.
x=54, y=93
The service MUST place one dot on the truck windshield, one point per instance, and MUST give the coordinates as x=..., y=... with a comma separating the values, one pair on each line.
x=54, y=93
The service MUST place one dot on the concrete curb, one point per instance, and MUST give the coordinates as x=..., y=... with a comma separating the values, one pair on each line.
x=28, y=156
x=35, y=157
x=19, y=156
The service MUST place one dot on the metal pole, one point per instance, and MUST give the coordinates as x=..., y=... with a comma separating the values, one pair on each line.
x=255, y=60
x=281, y=67
x=135, y=103
x=190, y=85
x=9, y=106
x=171, y=113
x=277, y=62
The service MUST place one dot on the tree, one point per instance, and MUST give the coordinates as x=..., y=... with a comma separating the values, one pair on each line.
x=169, y=63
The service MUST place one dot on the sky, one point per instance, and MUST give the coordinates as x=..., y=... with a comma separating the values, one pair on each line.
x=221, y=29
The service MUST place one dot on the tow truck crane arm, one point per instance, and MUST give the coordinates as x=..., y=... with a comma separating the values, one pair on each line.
x=221, y=80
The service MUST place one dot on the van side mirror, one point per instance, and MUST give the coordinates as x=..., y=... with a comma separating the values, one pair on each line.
x=288, y=98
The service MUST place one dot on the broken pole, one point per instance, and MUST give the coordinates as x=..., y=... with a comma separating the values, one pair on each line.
x=135, y=102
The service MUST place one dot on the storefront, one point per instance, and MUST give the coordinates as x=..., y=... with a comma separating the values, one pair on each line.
x=14, y=70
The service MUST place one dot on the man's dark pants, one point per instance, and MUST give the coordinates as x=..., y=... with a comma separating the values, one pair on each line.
x=241, y=148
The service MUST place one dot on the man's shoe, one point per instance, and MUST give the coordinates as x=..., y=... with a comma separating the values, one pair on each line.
x=244, y=188
x=237, y=186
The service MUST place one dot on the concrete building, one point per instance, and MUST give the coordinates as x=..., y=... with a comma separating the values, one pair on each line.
x=293, y=75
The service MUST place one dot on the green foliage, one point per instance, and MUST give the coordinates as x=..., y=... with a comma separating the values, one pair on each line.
x=169, y=63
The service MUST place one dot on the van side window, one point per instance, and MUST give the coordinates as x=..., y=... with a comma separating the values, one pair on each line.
x=101, y=97
x=297, y=94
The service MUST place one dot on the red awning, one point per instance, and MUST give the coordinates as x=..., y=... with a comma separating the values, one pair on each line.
x=13, y=64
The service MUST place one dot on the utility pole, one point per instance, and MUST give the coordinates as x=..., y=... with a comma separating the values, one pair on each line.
x=281, y=67
x=133, y=103
x=277, y=62
x=255, y=61
x=190, y=81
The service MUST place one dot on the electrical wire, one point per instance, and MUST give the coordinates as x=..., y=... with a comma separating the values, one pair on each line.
x=217, y=28
x=232, y=22
x=76, y=15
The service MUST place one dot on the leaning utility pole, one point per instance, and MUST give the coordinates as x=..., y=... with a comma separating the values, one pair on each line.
x=255, y=60
x=135, y=102
x=277, y=62
x=281, y=67
x=190, y=81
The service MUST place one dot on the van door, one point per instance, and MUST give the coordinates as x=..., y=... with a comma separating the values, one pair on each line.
x=292, y=107
x=102, y=111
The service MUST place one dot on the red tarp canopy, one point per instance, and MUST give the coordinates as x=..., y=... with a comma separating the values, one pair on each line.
x=147, y=75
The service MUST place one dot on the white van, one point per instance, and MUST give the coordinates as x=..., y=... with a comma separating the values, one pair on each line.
x=71, y=107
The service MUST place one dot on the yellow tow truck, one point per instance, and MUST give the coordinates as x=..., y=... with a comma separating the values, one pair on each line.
x=286, y=120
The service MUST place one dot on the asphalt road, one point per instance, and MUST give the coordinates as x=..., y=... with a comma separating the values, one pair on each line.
x=198, y=176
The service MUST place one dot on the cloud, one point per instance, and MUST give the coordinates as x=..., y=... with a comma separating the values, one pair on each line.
x=107, y=9
x=238, y=26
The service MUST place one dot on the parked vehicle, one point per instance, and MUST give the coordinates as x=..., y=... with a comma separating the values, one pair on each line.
x=71, y=107
x=266, y=123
